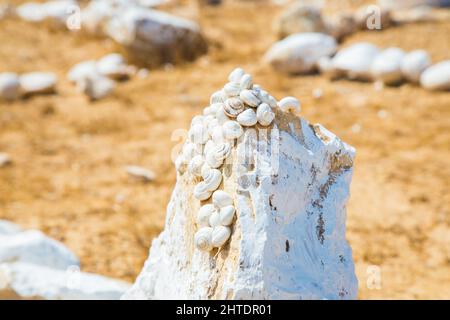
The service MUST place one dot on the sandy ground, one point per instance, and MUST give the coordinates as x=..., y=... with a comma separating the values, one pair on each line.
x=68, y=180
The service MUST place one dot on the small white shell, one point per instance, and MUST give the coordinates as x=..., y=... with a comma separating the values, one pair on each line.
x=195, y=165
x=213, y=179
x=203, y=239
x=220, y=236
x=207, y=111
x=227, y=215
x=236, y=75
x=198, y=134
x=221, y=116
x=289, y=104
x=233, y=107
x=216, y=156
x=265, y=97
x=189, y=151
x=232, y=89
x=221, y=199
x=214, y=107
x=217, y=97
x=205, y=169
x=214, y=219
x=249, y=98
x=246, y=81
x=247, y=118
x=180, y=164
x=217, y=135
x=209, y=145
x=232, y=130
x=197, y=120
x=264, y=114
x=211, y=125
x=201, y=191
x=204, y=213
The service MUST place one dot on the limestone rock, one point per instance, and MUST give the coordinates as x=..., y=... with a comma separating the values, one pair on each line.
x=414, y=63
x=27, y=281
x=37, y=83
x=289, y=184
x=299, y=53
x=437, y=77
x=9, y=86
x=386, y=66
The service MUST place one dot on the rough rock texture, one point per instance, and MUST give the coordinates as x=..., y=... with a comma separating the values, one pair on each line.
x=288, y=241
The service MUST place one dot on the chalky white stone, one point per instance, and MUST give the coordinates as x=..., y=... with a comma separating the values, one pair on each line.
x=37, y=82
x=289, y=104
x=436, y=77
x=414, y=63
x=386, y=66
x=9, y=86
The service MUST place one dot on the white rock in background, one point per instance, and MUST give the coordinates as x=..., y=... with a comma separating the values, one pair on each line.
x=414, y=63
x=28, y=281
x=113, y=66
x=57, y=11
x=401, y=4
x=437, y=77
x=8, y=228
x=37, y=83
x=9, y=86
x=36, y=248
x=95, y=16
x=96, y=86
x=289, y=238
x=341, y=25
x=82, y=70
x=356, y=61
x=386, y=66
x=299, y=53
x=140, y=173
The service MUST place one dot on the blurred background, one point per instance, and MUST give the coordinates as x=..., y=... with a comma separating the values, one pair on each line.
x=67, y=148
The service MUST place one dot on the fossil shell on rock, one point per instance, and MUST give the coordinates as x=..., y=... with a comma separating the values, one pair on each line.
x=232, y=89
x=236, y=75
x=217, y=97
x=386, y=66
x=195, y=165
x=249, y=98
x=265, y=97
x=414, y=63
x=220, y=236
x=247, y=118
x=289, y=104
x=204, y=213
x=198, y=134
x=216, y=156
x=233, y=106
x=246, y=81
x=221, y=199
x=203, y=239
x=221, y=116
x=232, y=130
x=213, y=179
x=264, y=114
x=226, y=215
x=201, y=191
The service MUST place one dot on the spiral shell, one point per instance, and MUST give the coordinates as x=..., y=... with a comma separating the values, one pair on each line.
x=203, y=239
x=189, y=151
x=201, y=191
x=204, y=214
x=213, y=179
x=226, y=215
x=209, y=145
x=220, y=236
x=232, y=89
x=236, y=75
x=197, y=120
x=232, y=130
x=214, y=107
x=221, y=199
x=221, y=116
x=217, y=97
x=195, y=165
x=289, y=104
x=247, y=118
x=246, y=81
x=214, y=219
x=217, y=135
x=233, y=107
x=264, y=114
x=205, y=169
x=249, y=98
x=267, y=98
x=198, y=134
x=216, y=156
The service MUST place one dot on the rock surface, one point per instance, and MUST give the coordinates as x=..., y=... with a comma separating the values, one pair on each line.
x=289, y=184
x=437, y=77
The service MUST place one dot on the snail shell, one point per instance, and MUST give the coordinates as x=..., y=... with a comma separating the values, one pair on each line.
x=233, y=107
x=289, y=104
x=204, y=213
x=247, y=118
x=217, y=97
x=265, y=97
x=205, y=169
x=211, y=125
x=221, y=199
x=236, y=75
x=203, y=239
x=249, y=98
x=214, y=219
x=220, y=236
x=181, y=164
x=189, y=151
x=217, y=135
x=197, y=120
x=207, y=111
x=201, y=191
x=264, y=114
x=216, y=156
x=246, y=81
x=214, y=107
x=195, y=165
x=213, y=179
x=226, y=215
x=198, y=134
x=232, y=130
x=221, y=116
x=232, y=89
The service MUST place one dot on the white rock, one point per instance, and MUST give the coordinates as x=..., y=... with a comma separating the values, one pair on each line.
x=386, y=66
x=140, y=173
x=36, y=248
x=56, y=11
x=96, y=86
x=9, y=86
x=82, y=70
x=355, y=61
x=114, y=66
x=28, y=281
x=37, y=83
x=401, y=4
x=437, y=77
x=288, y=241
x=414, y=63
x=95, y=16
x=299, y=53
x=8, y=228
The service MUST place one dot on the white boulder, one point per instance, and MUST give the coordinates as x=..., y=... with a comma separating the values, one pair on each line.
x=299, y=53
x=386, y=66
x=437, y=77
x=414, y=63
x=9, y=86
x=37, y=83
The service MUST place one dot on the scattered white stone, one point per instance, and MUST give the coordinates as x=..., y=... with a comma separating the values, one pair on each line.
x=437, y=77
x=82, y=70
x=114, y=66
x=56, y=11
x=8, y=228
x=96, y=86
x=143, y=73
x=386, y=66
x=299, y=53
x=37, y=83
x=9, y=86
x=5, y=159
x=414, y=63
x=27, y=281
x=317, y=93
x=140, y=173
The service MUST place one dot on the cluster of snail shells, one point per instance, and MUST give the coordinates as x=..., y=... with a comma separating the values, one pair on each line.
x=211, y=137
